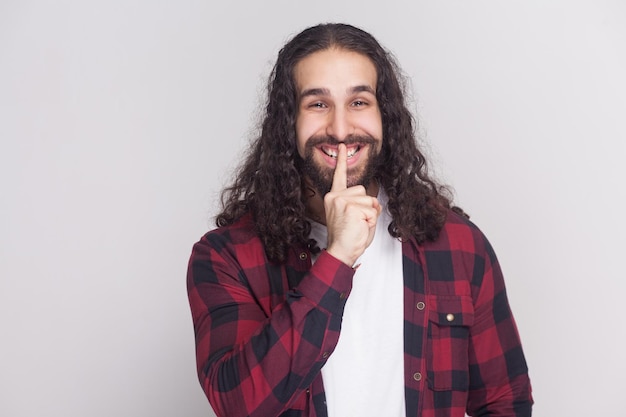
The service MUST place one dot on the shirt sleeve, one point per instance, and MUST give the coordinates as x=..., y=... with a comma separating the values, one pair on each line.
x=251, y=363
x=499, y=382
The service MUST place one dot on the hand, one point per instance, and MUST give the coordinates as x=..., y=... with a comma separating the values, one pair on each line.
x=351, y=214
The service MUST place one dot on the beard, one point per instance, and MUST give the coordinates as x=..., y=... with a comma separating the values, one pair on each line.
x=321, y=176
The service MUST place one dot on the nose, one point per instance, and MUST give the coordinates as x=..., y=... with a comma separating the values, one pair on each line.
x=339, y=125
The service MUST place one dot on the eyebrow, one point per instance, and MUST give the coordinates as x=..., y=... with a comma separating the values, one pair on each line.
x=326, y=91
x=362, y=89
x=315, y=92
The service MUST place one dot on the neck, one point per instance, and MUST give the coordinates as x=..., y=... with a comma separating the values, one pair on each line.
x=314, y=200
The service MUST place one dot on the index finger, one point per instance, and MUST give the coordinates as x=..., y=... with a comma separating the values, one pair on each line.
x=340, y=177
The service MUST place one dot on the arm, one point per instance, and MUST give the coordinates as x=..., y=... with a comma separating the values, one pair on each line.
x=499, y=383
x=250, y=364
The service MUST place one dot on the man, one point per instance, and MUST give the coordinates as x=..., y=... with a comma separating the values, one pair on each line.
x=340, y=280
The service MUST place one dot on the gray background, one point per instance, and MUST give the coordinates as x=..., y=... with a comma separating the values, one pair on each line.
x=121, y=120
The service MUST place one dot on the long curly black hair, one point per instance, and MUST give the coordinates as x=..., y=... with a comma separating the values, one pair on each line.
x=269, y=185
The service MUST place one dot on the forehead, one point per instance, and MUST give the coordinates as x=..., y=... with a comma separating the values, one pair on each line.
x=334, y=68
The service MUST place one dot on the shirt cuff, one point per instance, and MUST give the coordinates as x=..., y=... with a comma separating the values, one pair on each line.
x=328, y=284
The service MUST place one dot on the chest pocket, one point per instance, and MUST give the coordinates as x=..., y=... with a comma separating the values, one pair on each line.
x=449, y=322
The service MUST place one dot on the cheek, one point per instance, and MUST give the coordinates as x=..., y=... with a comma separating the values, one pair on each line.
x=304, y=131
x=379, y=125
x=300, y=142
x=372, y=125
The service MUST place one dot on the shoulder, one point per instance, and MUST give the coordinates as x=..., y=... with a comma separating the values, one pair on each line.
x=233, y=238
x=459, y=234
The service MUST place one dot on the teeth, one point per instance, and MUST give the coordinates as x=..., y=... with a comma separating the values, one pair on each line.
x=333, y=152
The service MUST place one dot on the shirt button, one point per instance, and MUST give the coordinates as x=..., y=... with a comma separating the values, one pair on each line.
x=342, y=296
x=420, y=305
x=325, y=355
x=303, y=256
x=417, y=376
x=450, y=317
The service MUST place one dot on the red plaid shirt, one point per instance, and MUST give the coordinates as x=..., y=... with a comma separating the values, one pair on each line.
x=263, y=331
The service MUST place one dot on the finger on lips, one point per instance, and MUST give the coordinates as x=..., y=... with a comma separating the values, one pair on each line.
x=340, y=176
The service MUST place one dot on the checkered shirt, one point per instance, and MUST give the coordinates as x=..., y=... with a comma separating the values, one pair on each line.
x=263, y=331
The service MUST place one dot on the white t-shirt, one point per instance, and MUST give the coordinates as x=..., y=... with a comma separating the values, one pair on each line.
x=365, y=374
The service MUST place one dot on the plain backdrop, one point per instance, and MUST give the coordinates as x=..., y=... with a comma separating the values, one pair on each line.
x=120, y=121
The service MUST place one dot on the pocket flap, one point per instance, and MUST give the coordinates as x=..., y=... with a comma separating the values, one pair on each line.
x=451, y=310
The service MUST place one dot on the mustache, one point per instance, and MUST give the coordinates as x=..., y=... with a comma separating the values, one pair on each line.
x=348, y=140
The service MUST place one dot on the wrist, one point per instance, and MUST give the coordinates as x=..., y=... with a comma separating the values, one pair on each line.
x=347, y=259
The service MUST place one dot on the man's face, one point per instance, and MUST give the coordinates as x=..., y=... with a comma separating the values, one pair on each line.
x=337, y=103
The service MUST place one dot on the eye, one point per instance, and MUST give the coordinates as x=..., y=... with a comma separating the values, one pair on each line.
x=359, y=103
x=317, y=105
